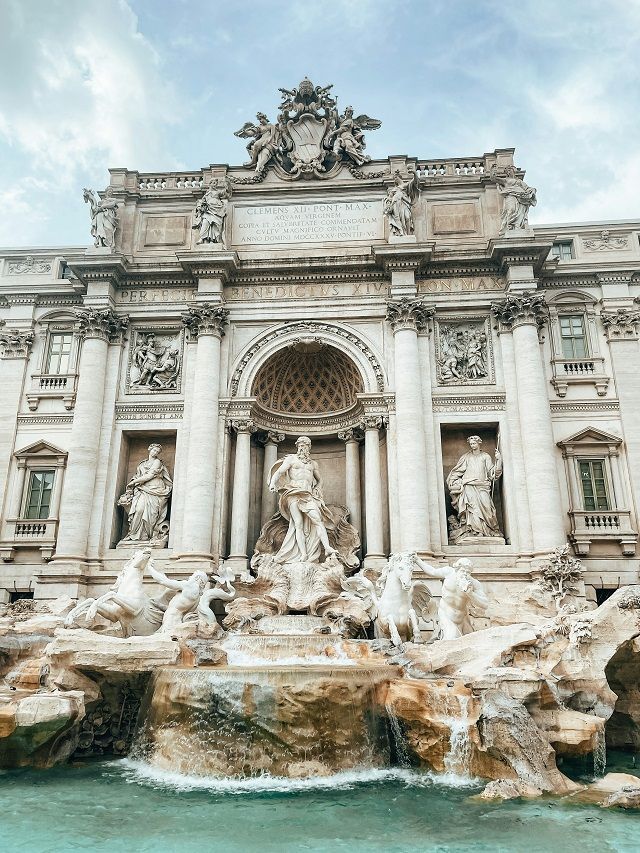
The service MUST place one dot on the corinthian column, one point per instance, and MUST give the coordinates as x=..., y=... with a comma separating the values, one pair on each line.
x=524, y=314
x=269, y=499
x=241, y=494
x=406, y=317
x=206, y=322
x=97, y=326
x=622, y=326
x=373, y=486
x=352, y=491
x=16, y=346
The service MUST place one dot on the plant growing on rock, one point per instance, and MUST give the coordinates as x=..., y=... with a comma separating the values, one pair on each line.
x=561, y=575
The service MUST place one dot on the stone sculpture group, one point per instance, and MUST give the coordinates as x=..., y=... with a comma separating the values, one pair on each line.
x=304, y=562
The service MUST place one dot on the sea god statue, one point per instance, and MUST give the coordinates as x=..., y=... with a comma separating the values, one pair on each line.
x=297, y=480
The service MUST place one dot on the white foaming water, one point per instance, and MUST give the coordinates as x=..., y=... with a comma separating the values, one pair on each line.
x=142, y=773
x=236, y=657
x=397, y=734
x=456, y=761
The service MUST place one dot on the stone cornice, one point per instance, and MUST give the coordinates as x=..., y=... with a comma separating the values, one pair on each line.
x=210, y=264
x=102, y=323
x=411, y=256
x=621, y=324
x=205, y=319
x=519, y=309
x=507, y=252
x=100, y=267
x=408, y=314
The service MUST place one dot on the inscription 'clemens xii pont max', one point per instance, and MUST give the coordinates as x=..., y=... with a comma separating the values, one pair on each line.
x=308, y=223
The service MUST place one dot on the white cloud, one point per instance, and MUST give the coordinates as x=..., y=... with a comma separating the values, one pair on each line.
x=81, y=88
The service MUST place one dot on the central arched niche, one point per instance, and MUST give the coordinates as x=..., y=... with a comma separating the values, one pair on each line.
x=309, y=378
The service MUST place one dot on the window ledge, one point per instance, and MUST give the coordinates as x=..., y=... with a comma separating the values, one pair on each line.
x=579, y=371
x=604, y=525
x=52, y=386
x=29, y=533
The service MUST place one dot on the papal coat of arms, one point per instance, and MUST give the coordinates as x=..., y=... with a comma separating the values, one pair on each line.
x=310, y=137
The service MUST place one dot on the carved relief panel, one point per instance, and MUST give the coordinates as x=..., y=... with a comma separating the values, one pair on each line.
x=155, y=360
x=464, y=351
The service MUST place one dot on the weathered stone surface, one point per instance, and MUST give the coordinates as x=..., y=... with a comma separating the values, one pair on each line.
x=627, y=797
x=33, y=727
x=508, y=789
x=86, y=650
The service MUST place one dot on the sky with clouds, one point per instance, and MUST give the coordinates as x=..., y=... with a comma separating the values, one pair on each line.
x=162, y=85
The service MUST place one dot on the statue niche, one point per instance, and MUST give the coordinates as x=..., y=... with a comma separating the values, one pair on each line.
x=304, y=552
x=146, y=502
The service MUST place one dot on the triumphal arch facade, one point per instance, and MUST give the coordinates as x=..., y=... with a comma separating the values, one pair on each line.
x=469, y=383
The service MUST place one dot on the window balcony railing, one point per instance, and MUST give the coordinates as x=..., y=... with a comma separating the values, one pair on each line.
x=579, y=371
x=52, y=385
x=28, y=533
x=602, y=525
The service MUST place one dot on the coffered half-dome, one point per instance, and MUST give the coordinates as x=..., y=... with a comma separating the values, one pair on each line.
x=308, y=378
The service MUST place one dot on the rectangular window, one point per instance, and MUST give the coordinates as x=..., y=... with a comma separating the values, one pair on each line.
x=562, y=251
x=573, y=336
x=39, y=494
x=59, y=353
x=594, y=484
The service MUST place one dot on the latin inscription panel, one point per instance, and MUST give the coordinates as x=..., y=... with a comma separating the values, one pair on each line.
x=311, y=222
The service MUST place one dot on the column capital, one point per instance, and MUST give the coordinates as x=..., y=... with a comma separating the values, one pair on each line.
x=352, y=434
x=205, y=319
x=16, y=343
x=244, y=425
x=521, y=309
x=372, y=422
x=408, y=314
x=102, y=323
x=621, y=324
x=270, y=437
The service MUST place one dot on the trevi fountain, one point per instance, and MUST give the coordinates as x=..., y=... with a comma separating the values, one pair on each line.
x=313, y=537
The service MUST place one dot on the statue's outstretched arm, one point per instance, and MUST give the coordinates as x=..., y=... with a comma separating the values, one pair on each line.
x=430, y=570
x=163, y=579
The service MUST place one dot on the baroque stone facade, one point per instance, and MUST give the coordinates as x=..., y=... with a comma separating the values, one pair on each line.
x=390, y=309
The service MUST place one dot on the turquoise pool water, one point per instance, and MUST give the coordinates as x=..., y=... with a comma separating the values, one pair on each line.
x=118, y=807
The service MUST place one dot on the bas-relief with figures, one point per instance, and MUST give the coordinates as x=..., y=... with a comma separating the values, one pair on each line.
x=344, y=431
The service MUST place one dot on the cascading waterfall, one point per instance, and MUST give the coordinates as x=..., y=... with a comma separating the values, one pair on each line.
x=399, y=741
x=456, y=761
x=238, y=722
x=600, y=754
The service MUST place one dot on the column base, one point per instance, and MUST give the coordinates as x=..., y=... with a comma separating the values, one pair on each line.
x=374, y=561
x=66, y=576
x=195, y=561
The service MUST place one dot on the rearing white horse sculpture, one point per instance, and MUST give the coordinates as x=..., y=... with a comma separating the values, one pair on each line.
x=393, y=601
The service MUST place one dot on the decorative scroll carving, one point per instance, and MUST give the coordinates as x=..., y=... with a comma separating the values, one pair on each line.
x=244, y=425
x=621, y=324
x=307, y=328
x=205, y=319
x=29, y=266
x=101, y=323
x=16, y=343
x=408, y=314
x=155, y=361
x=605, y=243
x=463, y=352
x=520, y=309
x=309, y=136
x=351, y=434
